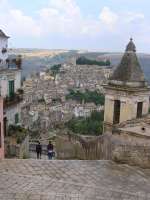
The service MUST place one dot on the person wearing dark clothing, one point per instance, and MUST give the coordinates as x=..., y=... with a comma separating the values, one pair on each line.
x=50, y=150
x=39, y=150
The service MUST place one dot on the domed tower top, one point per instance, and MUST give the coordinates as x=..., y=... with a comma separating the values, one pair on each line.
x=131, y=46
x=129, y=71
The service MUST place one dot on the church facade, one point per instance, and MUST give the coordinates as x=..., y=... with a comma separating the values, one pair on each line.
x=127, y=93
x=126, y=116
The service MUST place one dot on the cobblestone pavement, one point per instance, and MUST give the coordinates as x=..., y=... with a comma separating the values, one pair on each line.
x=33, y=155
x=72, y=180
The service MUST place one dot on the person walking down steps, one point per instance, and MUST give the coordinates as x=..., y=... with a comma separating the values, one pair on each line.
x=39, y=150
x=50, y=150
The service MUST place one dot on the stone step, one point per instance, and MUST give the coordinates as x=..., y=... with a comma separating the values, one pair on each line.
x=71, y=180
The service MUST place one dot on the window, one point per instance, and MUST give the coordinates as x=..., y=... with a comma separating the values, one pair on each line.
x=139, y=109
x=11, y=88
x=16, y=118
x=116, y=117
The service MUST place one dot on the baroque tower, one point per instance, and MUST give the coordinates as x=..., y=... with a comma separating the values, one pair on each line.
x=127, y=92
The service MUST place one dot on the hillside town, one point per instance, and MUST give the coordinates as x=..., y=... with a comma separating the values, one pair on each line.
x=67, y=101
x=40, y=104
x=74, y=100
x=89, y=111
x=45, y=95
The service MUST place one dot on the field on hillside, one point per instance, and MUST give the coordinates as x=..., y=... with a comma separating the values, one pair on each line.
x=29, y=53
x=34, y=60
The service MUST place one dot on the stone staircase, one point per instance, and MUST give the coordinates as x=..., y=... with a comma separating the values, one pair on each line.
x=72, y=180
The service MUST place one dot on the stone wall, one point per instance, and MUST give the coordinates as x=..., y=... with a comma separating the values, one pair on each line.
x=104, y=147
x=132, y=155
x=17, y=150
x=79, y=147
x=24, y=148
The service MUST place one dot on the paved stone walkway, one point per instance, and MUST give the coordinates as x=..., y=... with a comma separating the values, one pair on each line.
x=33, y=155
x=72, y=180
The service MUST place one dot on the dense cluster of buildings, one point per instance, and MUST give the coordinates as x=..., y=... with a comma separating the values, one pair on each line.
x=45, y=103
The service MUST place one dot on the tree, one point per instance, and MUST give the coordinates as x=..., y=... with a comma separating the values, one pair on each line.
x=92, y=125
x=55, y=69
x=87, y=96
x=85, y=61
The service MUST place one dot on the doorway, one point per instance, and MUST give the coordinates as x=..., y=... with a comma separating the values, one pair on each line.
x=139, y=109
x=5, y=126
x=116, y=117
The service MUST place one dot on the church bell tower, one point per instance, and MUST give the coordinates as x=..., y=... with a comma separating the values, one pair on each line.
x=127, y=92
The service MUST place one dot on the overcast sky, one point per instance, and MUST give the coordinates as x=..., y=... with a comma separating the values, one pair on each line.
x=104, y=25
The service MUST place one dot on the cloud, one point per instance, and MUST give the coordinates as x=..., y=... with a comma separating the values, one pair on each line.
x=69, y=7
x=22, y=24
x=16, y=23
x=65, y=19
x=108, y=17
x=134, y=17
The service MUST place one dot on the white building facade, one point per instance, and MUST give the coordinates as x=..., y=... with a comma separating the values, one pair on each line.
x=10, y=83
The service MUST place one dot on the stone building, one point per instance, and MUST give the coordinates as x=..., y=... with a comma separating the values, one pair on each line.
x=127, y=93
x=126, y=137
x=126, y=118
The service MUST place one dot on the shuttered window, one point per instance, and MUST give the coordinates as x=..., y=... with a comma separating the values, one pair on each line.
x=16, y=118
x=11, y=88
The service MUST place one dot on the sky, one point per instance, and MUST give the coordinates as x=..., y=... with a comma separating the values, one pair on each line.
x=100, y=25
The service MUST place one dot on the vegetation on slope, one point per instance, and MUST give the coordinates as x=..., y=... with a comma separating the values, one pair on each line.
x=88, y=96
x=85, y=61
x=55, y=69
x=92, y=125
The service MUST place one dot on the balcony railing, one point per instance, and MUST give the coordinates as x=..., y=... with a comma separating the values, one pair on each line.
x=15, y=62
x=13, y=100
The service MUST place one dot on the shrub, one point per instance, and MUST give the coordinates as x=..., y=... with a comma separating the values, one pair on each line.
x=18, y=132
x=88, y=96
x=92, y=125
x=84, y=61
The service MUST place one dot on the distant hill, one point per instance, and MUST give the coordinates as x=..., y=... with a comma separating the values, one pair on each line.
x=34, y=60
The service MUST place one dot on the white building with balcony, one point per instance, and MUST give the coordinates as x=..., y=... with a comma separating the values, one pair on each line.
x=10, y=83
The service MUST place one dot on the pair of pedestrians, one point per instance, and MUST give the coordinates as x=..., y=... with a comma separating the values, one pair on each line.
x=50, y=150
